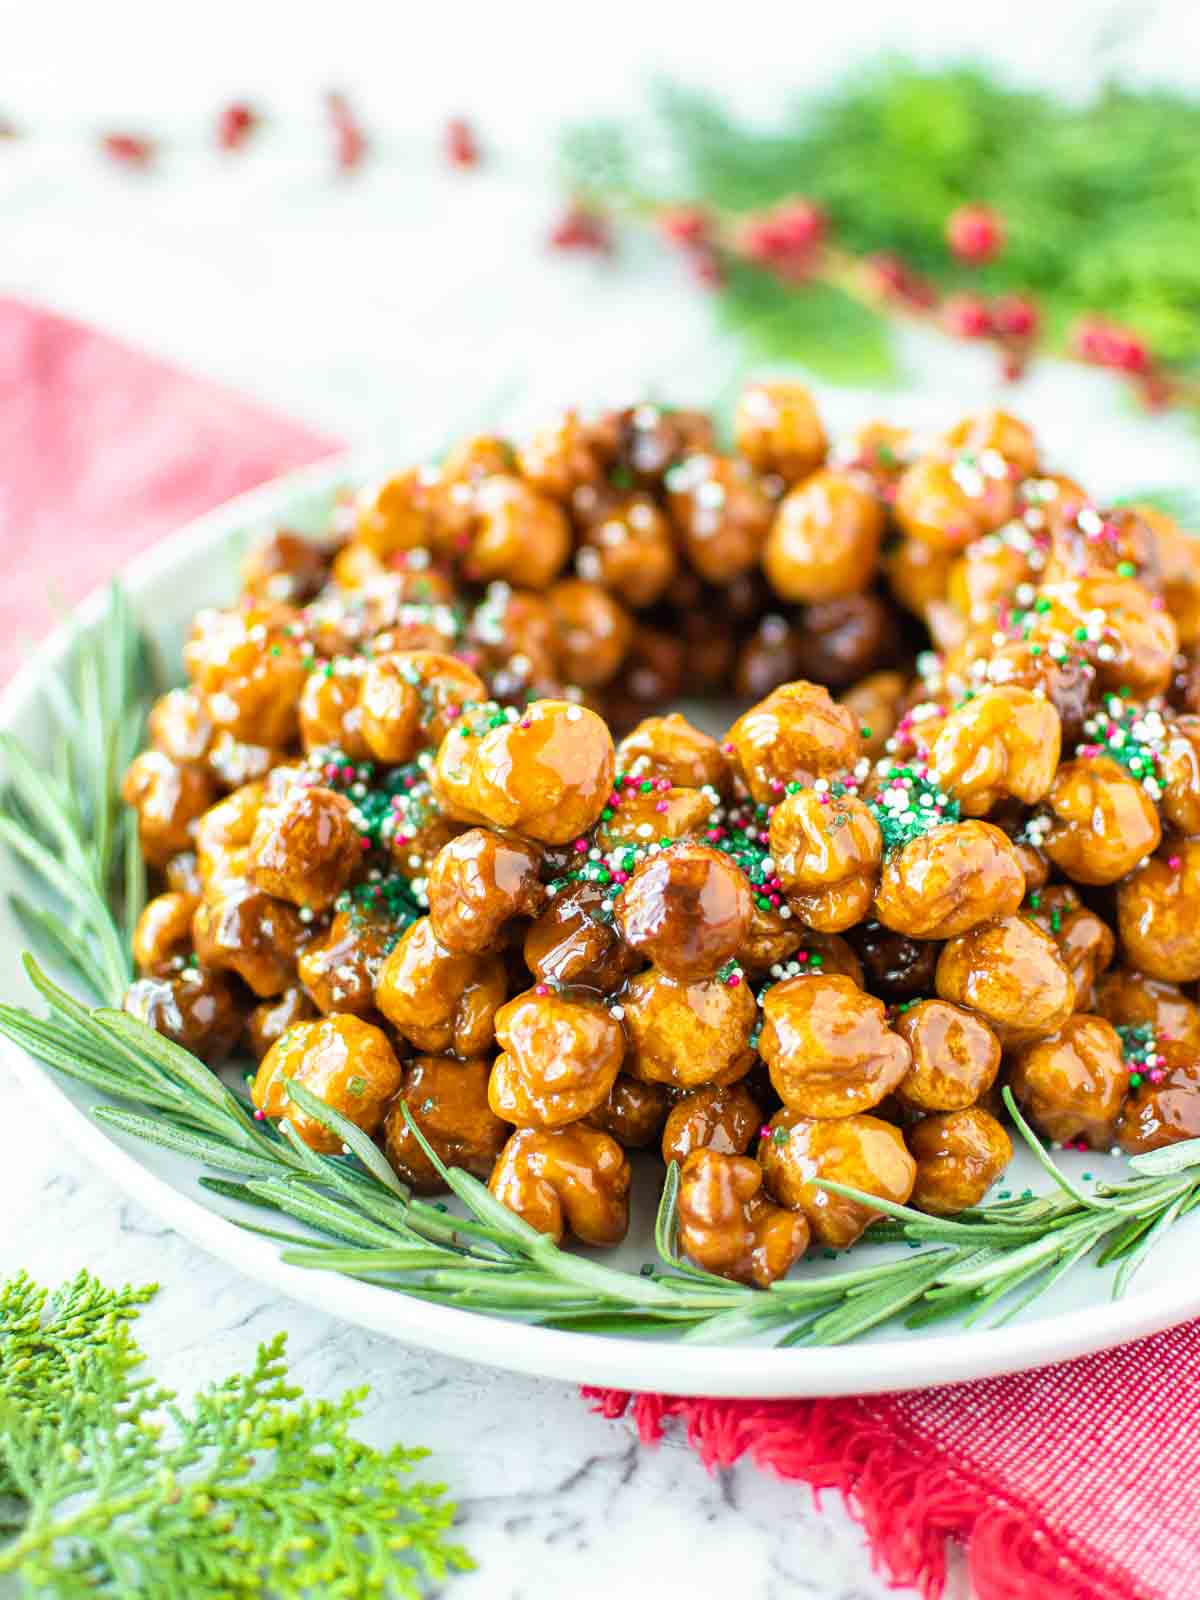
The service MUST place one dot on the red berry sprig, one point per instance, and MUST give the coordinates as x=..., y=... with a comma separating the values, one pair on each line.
x=792, y=242
x=1107, y=344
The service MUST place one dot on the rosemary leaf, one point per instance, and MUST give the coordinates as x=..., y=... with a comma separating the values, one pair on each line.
x=187, y=1142
x=1172, y=1158
x=353, y=1138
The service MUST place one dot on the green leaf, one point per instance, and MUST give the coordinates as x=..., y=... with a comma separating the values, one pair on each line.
x=815, y=325
x=1172, y=1158
x=353, y=1138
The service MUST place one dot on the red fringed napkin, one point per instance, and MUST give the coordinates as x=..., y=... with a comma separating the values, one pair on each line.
x=1080, y=1482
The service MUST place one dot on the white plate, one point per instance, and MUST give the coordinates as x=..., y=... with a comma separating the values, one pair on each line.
x=198, y=567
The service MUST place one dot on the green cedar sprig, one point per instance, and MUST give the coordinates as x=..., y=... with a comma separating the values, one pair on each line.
x=252, y=1491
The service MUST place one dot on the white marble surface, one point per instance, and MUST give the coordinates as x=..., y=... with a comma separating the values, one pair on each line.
x=385, y=310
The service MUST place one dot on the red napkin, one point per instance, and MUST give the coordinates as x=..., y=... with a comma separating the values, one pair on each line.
x=1079, y=1482
x=102, y=451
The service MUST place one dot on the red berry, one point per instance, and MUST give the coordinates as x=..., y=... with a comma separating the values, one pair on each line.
x=1132, y=354
x=759, y=240
x=130, y=149
x=788, y=234
x=350, y=140
x=1107, y=344
x=581, y=229
x=1015, y=317
x=975, y=233
x=462, y=147
x=683, y=224
x=800, y=224
x=967, y=317
x=235, y=125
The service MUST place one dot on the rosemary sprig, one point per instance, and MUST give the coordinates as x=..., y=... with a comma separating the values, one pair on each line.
x=350, y=1214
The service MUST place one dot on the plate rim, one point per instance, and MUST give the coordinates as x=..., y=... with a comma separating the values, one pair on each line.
x=593, y=1359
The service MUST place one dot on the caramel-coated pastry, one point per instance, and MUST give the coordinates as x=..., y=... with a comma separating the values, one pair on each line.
x=442, y=824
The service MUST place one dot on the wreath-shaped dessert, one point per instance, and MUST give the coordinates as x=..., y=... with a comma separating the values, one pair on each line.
x=433, y=837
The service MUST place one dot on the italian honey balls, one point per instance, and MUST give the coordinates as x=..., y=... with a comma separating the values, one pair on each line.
x=442, y=826
x=545, y=773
